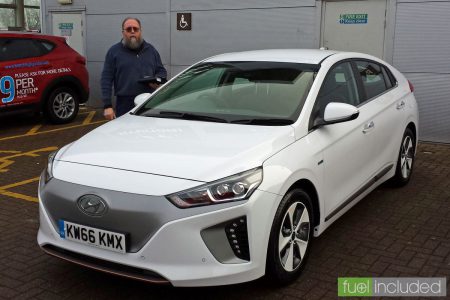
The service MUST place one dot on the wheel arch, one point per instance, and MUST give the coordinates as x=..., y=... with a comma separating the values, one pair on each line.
x=310, y=189
x=413, y=128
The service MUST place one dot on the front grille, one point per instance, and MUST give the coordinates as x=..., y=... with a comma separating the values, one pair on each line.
x=138, y=216
x=105, y=266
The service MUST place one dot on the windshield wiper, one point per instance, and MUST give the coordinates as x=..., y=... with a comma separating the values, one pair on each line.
x=184, y=116
x=264, y=121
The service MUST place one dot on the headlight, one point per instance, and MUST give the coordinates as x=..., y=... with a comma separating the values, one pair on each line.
x=233, y=188
x=49, y=170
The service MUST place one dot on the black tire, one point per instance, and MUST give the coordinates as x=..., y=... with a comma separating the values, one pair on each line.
x=62, y=105
x=405, y=161
x=278, y=265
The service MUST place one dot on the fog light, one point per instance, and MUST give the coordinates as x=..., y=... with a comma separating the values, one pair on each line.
x=236, y=231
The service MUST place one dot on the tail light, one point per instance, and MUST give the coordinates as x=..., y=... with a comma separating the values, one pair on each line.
x=411, y=87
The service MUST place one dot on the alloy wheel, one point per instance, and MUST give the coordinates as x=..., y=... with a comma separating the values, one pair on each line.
x=406, y=156
x=294, y=236
x=64, y=105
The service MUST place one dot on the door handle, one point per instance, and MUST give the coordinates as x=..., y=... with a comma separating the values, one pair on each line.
x=401, y=105
x=368, y=127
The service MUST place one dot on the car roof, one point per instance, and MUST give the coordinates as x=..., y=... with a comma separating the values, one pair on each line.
x=30, y=35
x=305, y=56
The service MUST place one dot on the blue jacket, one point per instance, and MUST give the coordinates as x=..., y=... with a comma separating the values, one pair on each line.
x=124, y=67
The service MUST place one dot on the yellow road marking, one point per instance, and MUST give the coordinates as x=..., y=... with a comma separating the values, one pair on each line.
x=4, y=164
x=6, y=151
x=31, y=153
x=52, y=130
x=5, y=187
x=19, y=196
x=3, y=190
x=33, y=130
x=89, y=118
x=6, y=161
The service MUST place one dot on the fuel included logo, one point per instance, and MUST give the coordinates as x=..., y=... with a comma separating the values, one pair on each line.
x=392, y=287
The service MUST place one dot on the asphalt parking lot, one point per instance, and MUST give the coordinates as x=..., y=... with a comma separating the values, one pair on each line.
x=391, y=233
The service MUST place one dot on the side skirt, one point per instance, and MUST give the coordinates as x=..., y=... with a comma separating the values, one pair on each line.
x=360, y=191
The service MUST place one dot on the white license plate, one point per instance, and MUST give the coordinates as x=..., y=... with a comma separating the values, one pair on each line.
x=92, y=236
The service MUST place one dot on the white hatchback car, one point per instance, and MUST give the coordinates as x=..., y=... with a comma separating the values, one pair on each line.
x=228, y=171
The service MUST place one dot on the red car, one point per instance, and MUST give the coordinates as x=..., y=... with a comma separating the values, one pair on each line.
x=42, y=73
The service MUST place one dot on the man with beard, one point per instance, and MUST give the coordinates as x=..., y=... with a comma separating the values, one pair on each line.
x=126, y=63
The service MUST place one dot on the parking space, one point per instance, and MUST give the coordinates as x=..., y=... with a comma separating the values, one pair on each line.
x=391, y=233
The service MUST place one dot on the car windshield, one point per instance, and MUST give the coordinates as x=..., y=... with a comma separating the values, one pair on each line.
x=260, y=93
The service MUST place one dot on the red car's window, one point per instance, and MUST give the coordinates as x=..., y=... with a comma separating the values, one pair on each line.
x=12, y=49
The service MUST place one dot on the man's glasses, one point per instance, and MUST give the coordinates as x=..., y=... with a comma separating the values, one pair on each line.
x=132, y=29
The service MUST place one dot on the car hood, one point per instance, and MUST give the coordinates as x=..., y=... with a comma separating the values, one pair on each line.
x=194, y=150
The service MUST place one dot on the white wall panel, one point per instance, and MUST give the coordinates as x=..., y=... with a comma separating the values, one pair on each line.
x=95, y=71
x=222, y=31
x=129, y=7
x=409, y=1
x=422, y=37
x=236, y=4
x=422, y=40
x=432, y=92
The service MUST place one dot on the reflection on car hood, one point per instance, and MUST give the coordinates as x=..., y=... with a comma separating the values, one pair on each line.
x=195, y=150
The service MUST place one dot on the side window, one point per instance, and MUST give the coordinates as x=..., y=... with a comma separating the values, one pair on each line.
x=339, y=86
x=389, y=77
x=12, y=49
x=373, y=78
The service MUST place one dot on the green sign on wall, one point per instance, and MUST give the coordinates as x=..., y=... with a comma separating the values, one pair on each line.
x=65, y=25
x=353, y=18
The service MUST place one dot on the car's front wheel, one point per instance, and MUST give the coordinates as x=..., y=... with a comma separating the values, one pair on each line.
x=405, y=160
x=62, y=105
x=290, y=237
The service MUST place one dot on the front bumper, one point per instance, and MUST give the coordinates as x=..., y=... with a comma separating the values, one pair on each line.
x=177, y=252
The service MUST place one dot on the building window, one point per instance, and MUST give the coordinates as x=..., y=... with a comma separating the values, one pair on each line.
x=32, y=15
x=7, y=14
x=20, y=15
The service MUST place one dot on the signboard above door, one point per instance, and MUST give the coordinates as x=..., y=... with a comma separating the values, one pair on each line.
x=353, y=18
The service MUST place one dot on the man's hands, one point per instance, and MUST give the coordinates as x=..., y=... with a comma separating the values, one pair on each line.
x=154, y=86
x=109, y=114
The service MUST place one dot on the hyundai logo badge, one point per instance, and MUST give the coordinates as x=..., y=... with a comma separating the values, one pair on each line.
x=92, y=205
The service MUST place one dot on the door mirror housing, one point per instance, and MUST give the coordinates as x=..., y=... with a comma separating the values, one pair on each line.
x=336, y=112
x=141, y=98
x=340, y=112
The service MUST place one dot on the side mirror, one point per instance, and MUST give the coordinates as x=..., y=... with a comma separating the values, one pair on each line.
x=337, y=113
x=141, y=98
x=340, y=112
